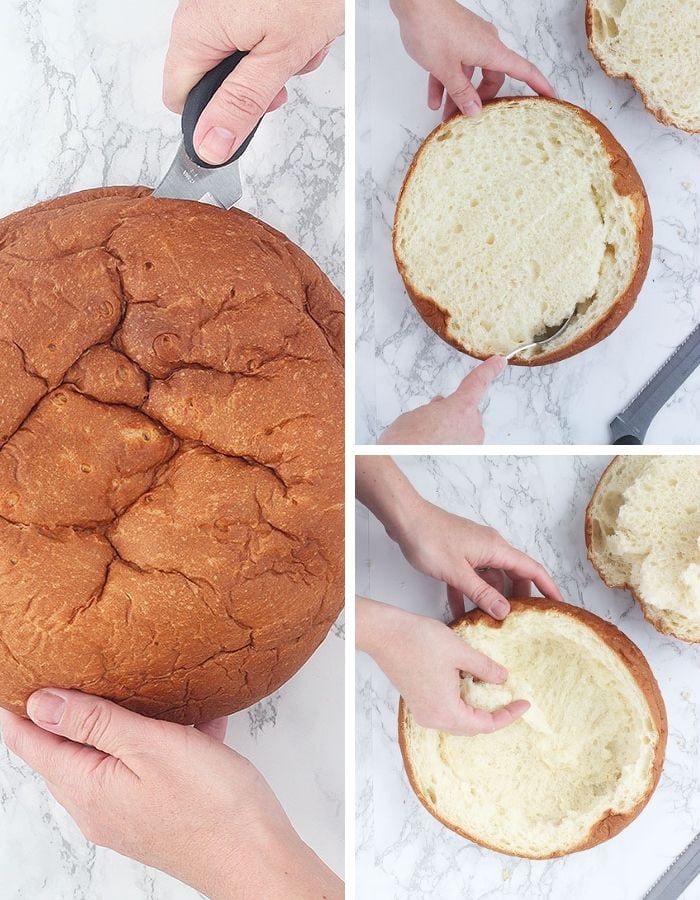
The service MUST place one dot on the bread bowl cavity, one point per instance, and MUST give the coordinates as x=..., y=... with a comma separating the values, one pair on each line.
x=508, y=223
x=579, y=765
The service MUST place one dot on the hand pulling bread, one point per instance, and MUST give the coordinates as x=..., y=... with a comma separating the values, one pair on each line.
x=455, y=419
x=425, y=660
x=419, y=654
x=169, y=796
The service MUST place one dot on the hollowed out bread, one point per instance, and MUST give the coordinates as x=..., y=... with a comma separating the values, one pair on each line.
x=577, y=767
x=508, y=223
x=643, y=534
x=171, y=454
x=656, y=45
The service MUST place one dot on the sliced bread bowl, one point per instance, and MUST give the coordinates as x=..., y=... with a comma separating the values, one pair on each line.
x=655, y=44
x=581, y=763
x=643, y=535
x=509, y=223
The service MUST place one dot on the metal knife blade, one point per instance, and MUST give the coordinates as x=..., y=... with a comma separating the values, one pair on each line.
x=631, y=425
x=185, y=180
x=679, y=874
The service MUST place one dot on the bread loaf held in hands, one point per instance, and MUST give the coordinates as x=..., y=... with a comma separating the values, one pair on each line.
x=581, y=763
x=171, y=454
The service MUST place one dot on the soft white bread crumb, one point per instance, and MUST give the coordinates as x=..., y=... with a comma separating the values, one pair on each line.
x=585, y=751
x=512, y=221
x=644, y=533
x=656, y=43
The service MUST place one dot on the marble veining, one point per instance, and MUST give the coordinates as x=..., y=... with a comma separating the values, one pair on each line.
x=402, y=363
x=538, y=504
x=82, y=108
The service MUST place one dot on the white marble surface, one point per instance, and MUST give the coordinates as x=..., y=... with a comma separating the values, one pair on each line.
x=538, y=504
x=81, y=99
x=402, y=363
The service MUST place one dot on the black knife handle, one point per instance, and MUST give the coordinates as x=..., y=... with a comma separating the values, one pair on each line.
x=198, y=100
x=628, y=439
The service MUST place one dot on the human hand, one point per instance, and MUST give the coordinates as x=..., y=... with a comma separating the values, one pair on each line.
x=471, y=559
x=423, y=659
x=450, y=42
x=284, y=39
x=166, y=795
x=454, y=419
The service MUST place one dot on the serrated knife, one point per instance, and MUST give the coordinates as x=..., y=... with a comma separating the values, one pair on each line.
x=631, y=425
x=679, y=874
x=189, y=177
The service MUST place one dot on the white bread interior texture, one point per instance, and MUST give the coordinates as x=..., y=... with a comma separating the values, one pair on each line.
x=643, y=534
x=577, y=767
x=508, y=223
x=656, y=44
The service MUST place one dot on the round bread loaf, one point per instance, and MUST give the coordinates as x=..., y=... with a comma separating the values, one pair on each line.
x=655, y=44
x=643, y=535
x=508, y=224
x=171, y=454
x=581, y=763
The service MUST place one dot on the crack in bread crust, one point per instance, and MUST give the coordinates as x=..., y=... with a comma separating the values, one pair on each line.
x=169, y=537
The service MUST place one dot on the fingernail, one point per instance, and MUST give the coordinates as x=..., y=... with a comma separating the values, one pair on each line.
x=217, y=146
x=471, y=109
x=46, y=707
x=499, y=609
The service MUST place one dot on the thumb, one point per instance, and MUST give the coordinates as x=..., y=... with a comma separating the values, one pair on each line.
x=241, y=102
x=88, y=720
x=477, y=382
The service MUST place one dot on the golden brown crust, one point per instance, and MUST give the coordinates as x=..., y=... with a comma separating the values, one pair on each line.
x=636, y=664
x=169, y=536
x=646, y=609
x=627, y=183
x=659, y=114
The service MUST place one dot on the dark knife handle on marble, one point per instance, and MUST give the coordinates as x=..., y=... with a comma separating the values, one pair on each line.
x=628, y=439
x=197, y=102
